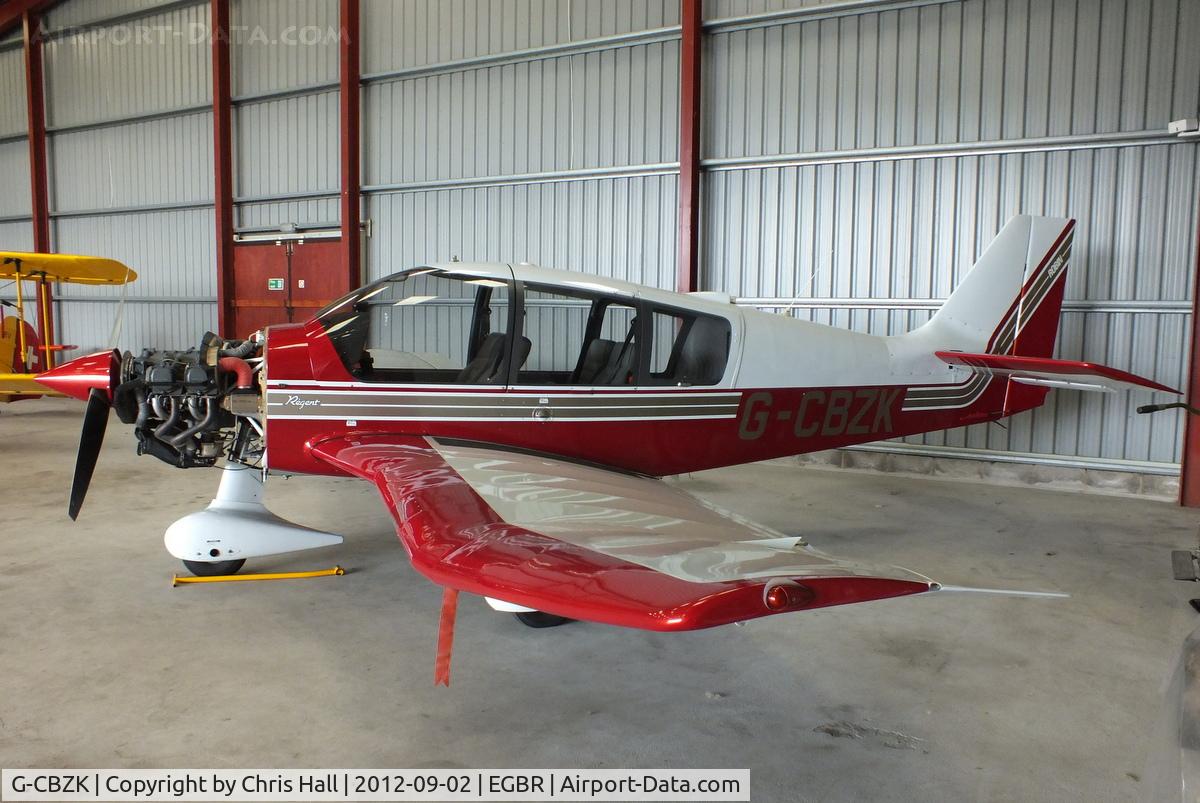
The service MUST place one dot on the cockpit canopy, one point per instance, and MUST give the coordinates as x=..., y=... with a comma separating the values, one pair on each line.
x=435, y=326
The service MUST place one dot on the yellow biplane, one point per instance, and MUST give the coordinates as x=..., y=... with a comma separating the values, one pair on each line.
x=20, y=347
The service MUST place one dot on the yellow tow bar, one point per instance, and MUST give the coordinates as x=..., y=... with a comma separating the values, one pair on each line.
x=233, y=578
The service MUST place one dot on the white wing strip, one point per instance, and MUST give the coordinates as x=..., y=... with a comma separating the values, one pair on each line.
x=641, y=520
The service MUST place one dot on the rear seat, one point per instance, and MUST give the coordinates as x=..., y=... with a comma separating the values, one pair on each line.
x=594, y=361
x=608, y=362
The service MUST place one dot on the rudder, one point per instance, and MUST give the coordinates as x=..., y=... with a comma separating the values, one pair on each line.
x=1009, y=302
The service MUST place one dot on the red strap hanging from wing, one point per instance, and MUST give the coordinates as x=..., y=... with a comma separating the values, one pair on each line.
x=441, y=667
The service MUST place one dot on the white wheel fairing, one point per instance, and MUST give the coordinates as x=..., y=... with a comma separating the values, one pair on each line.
x=238, y=525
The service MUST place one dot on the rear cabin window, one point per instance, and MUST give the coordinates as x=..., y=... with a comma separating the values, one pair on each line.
x=688, y=348
x=423, y=326
x=578, y=338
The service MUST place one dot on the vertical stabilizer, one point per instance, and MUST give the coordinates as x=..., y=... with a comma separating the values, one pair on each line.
x=1009, y=302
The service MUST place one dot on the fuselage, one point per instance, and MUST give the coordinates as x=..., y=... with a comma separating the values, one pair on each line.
x=705, y=383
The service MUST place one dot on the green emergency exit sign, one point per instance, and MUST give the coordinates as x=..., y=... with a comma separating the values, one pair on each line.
x=274, y=284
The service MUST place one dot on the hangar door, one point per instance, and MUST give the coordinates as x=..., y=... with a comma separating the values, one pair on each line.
x=284, y=280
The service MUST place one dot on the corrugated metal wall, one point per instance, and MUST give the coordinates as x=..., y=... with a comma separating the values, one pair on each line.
x=12, y=89
x=77, y=13
x=539, y=131
x=130, y=160
x=14, y=172
x=284, y=71
x=857, y=163
x=421, y=33
x=16, y=227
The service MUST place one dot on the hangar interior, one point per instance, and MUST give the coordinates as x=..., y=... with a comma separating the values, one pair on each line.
x=843, y=162
x=852, y=162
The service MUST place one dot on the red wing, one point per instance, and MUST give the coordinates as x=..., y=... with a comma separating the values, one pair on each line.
x=589, y=543
x=1053, y=373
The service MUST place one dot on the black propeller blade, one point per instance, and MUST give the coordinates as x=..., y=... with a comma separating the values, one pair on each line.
x=95, y=421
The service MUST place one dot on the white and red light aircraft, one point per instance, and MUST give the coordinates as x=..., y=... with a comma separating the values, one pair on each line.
x=515, y=420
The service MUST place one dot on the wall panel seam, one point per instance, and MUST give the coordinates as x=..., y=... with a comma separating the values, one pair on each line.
x=119, y=19
x=579, y=47
x=1152, y=306
x=824, y=11
x=548, y=177
x=1042, y=458
x=1125, y=139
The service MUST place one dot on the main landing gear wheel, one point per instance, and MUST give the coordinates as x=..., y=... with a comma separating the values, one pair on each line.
x=541, y=619
x=203, y=569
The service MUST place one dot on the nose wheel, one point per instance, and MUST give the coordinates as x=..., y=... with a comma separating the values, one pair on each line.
x=214, y=569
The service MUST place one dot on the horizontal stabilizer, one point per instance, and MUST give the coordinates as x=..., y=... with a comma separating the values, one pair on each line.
x=1052, y=373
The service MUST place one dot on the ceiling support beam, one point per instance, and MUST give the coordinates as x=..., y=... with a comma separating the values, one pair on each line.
x=39, y=192
x=691, y=14
x=349, y=75
x=223, y=165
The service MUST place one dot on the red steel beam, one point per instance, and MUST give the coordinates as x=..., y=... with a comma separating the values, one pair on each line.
x=691, y=13
x=35, y=110
x=350, y=123
x=223, y=165
x=1189, y=480
x=39, y=195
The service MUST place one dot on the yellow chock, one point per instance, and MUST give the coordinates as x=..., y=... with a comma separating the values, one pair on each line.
x=234, y=578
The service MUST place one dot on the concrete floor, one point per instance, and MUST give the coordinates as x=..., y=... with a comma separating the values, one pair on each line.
x=103, y=664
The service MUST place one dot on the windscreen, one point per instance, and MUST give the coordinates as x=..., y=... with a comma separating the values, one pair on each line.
x=423, y=325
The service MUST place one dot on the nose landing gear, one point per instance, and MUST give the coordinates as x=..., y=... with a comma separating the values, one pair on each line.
x=236, y=526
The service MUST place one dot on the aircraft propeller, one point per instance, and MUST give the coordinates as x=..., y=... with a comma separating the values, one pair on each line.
x=95, y=422
x=91, y=379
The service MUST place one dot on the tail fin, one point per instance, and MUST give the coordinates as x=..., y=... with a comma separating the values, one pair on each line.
x=1001, y=324
x=1009, y=301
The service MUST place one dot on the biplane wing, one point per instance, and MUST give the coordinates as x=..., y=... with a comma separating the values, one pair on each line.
x=18, y=340
x=23, y=385
x=590, y=543
x=69, y=268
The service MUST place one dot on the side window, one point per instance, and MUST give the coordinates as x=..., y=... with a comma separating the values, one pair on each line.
x=577, y=338
x=424, y=326
x=688, y=348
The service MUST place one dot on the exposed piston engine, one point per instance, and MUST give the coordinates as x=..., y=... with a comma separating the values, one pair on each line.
x=191, y=407
x=188, y=408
